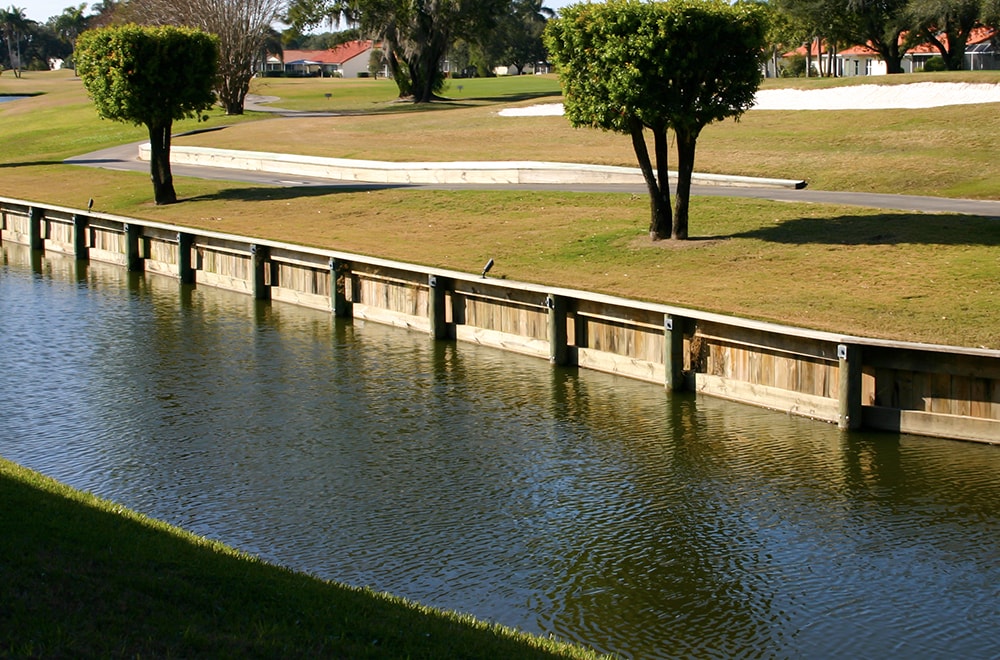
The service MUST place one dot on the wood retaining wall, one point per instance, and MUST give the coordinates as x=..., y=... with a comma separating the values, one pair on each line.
x=854, y=382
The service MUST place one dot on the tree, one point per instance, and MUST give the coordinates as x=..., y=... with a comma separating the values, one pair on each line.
x=946, y=24
x=627, y=66
x=150, y=76
x=70, y=24
x=242, y=27
x=881, y=25
x=14, y=26
x=517, y=38
x=415, y=34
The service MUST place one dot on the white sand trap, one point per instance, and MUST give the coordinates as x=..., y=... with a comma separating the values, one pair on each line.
x=854, y=97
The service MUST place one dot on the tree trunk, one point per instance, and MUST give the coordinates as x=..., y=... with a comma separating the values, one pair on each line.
x=159, y=163
x=686, y=142
x=659, y=189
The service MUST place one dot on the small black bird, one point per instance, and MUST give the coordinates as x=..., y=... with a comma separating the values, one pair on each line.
x=90, y=204
x=486, y=268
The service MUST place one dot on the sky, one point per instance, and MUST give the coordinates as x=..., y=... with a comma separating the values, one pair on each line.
x=42, y=10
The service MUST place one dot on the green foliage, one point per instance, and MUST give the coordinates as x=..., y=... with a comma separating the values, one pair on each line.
x=796, y=67
x=690, y=62
x=148, y=75
x=936, y=63
x=683, y=63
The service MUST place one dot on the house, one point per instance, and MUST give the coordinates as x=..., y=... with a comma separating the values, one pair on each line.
x=981, y=53
x=348, y=60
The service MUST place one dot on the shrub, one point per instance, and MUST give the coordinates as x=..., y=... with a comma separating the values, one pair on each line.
x=936, y=63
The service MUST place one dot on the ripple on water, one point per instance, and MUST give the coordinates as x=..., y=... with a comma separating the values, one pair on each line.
x=578, y=504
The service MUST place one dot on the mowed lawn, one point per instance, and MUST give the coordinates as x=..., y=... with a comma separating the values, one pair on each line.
x=931, y=278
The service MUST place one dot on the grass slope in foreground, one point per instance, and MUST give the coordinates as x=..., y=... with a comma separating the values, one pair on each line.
x=83, y=577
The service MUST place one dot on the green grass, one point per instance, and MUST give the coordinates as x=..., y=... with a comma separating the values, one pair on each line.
x=932, y=278
x=368, y=96
x=83, y=577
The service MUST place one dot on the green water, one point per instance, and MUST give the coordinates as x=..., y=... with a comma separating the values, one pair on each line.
x=594, y=508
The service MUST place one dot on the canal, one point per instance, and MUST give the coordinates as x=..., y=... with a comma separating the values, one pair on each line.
x=578, y=504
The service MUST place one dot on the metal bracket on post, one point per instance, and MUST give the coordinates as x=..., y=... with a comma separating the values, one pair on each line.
x=673, y=353
x=258, y=257
x=558, y=341
x=436, y=306
x=35, y=217
x=849, y=391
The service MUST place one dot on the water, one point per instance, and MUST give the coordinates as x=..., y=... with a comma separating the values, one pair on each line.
x=4, y=98
x=594, y=508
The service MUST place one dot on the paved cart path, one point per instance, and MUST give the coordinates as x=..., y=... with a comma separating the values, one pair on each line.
x=125, y=157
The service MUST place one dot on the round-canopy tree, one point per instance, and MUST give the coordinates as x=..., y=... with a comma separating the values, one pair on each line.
x=150, y=76
x=628, y=66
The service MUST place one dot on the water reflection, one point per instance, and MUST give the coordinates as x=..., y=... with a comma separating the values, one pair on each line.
x=591, y=507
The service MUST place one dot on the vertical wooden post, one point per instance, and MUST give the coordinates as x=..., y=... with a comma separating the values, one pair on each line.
x=258, y=258
x=35, y=216
x=81, y=225
x=558, y=345
x=849, y=358
x=673, y=352
x=438, y=287
x=340, y=272
x=185, y=272
x=133, y=234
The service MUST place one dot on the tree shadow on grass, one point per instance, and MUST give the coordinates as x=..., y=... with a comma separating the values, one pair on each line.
x=257, y=194
x=884, y=229
x=33, y=163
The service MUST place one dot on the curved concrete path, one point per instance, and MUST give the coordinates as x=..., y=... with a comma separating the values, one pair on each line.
x=126, y=157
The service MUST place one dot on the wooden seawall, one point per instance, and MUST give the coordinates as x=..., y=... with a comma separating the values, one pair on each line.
x=854, y=382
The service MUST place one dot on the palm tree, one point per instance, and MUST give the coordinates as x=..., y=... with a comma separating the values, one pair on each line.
x=13, y=25
x=69, y=24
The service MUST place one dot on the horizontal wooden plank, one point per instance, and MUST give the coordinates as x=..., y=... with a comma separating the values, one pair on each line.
x=14, y=236
x=781, y=343
x=61, y=247
x=652, y=372
x=620, y=314
x=221, y=246
x=222, y=281
x=975, y=366
x=504, y=340
x=918, y=422
x=795, y=403
x=388, y=317
x=300, y=259
x=295, y=297
x=160, y=267
x=107, y=256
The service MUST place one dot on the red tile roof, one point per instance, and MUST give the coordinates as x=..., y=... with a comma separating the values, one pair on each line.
x=976, y=36
x=339, y=55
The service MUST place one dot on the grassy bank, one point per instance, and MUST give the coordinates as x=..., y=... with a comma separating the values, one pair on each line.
x=932, y=278
x=82, y=577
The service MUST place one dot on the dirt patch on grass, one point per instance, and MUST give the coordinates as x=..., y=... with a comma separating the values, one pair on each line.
x=644, y=243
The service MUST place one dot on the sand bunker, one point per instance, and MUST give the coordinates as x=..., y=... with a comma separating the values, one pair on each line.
x=854, y=97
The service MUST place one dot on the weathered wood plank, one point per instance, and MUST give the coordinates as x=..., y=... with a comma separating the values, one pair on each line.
x=918, y=422
x=496, y=339
x=653, y=372
x=795, y=403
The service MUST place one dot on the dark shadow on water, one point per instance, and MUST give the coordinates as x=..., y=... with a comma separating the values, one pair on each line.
x=289, y=193
x=886, y=229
